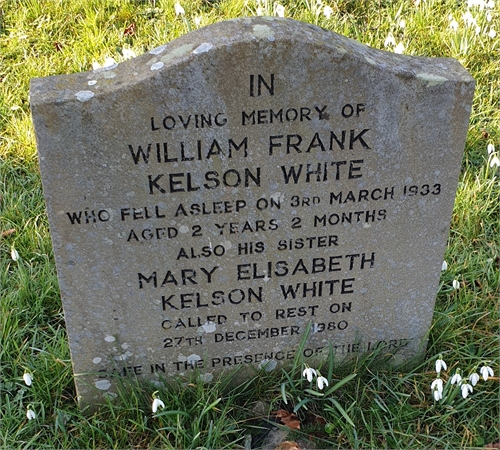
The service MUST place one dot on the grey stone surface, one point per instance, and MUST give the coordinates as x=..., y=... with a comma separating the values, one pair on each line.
x=211, y=198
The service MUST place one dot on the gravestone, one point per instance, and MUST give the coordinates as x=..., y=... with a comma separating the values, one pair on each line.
x=212, y=200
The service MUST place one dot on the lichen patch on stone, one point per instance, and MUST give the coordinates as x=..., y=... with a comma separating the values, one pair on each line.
x=431, y=79
x=205, y=47
x=84, y=96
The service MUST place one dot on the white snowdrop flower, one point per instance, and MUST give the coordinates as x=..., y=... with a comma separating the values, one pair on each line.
x=486, y=372
x=402, y=24
x=28, y=378
x=473, y=378
x=30, y=414
x=259, y=11
x=437, y=385
x=108, y=62
x=279, y=10
x=309, y=373
x=197, y=20
x=456, y=284
x=179, y=10
x=438, y=395
x=466, y=389
x=456, y=379
x=478, y=30
x=454, y=25
x=490, y=4
x=322, y=382
x=444, y=266
x=327, y=11
x=490, y=148
x=128, y=53
x=492, y=33
x=440, y=364
x=157, y=403
x=96, y=66
x=400, y=48
x=13, y=254
x=495, y=162
x=469, y=19
x=488, y=17
x=390, y=41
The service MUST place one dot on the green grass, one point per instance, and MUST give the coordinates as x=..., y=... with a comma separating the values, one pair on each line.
x=389, y=408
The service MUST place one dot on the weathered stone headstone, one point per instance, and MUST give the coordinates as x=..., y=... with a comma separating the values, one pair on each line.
x=210, y=199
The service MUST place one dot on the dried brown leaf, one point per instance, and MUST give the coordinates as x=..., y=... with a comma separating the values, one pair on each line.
x=288, y=445
x=7, y=232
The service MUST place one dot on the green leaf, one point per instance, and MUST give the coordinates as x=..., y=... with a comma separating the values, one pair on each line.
x=341, y=411
x=283, y=393
x=317, y=394
x=340, y=384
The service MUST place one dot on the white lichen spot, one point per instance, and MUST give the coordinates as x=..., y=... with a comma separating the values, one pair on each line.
x=158, y=50
x=97, y=360
x=102, y=384
x=370, y=61
x=209, y=327
x=124, y=346
x=206, y=377
x=227, y=245
x=92, y=82
x=270, y=38
x=278, y=197
x=110, y=339
x=263, y=31
x=193, y=359
x=109, y=75
x=177, y=53
x=183, y=229
x=120, y=357
x=205, y=47
x=84, y=96
x=110, y=395
x=158, y=65
x=111, y=67
x=431, y=79
x=268, y=365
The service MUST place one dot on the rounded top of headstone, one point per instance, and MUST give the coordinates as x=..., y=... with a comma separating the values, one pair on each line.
x=259, y=37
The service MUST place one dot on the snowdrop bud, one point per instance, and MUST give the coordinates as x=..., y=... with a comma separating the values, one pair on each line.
x=108, y=62
x=14, y=255
x=492, y=34
x=279, y=10
x=157, y=403
x=28, y=379
x=128, y=53
x=456, y=379
x=322, y=382
x=30, y=414
x=490, y=148
x=400, y=48
x=486, y=372
x=466, y=389
x=390, y=41
x=473, y=378
x=179, y=10
x=309, y=373
x=454, y=25
x=440, y=364
x=444, y=266
x=456, y=284
x=437, y=385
